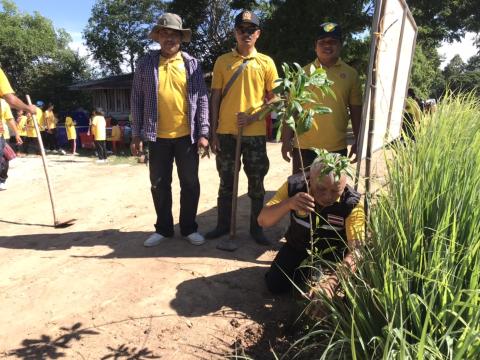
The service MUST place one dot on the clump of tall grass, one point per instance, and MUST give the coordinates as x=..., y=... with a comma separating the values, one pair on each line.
x=416, y=294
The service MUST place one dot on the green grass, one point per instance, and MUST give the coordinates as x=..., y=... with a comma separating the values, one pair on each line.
x=416, y=294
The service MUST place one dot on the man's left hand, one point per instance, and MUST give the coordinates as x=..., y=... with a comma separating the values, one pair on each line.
x=203, y=148
x=18, y=139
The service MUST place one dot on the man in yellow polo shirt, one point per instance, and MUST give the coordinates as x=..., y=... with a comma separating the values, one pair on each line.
x=338, y=230
x=238, y=108
x=170, y=112
x=329, y=131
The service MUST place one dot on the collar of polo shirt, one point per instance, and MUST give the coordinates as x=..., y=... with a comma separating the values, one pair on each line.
x=317, y=62
x=251, y=56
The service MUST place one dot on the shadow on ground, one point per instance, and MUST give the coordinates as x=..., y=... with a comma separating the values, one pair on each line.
x=130, y=244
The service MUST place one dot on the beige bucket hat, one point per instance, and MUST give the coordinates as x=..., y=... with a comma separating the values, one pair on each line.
x=170, y=21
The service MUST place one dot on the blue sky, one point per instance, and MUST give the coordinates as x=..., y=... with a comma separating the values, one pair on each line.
x=72, y=15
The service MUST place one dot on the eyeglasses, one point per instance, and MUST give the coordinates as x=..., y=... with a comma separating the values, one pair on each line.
x=247, y=30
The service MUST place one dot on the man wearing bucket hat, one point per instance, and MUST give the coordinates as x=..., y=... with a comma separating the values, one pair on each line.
x=242, y=79
x=170, y=113
x=329, y=131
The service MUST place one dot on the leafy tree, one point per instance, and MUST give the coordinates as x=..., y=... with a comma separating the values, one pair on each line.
x=426, y=78
x=36, y=57
x=117, y=31
x=461, y=77
x=211, y=22
x=454, y=67
x=440, y=20
x=289, y=34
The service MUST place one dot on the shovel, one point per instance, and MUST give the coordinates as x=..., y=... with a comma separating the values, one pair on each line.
x=56, y=223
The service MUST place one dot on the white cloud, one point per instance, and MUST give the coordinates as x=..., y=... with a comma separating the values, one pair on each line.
x=465, y=48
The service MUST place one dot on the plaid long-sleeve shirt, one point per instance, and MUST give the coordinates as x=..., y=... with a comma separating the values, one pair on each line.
x=144, y=98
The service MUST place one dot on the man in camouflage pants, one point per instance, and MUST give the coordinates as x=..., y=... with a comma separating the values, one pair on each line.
x=235, y=108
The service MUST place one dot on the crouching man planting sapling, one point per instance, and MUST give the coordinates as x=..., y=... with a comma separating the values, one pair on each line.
x=334, y=208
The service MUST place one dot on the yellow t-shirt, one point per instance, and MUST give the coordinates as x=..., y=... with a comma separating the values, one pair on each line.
x=22, y=125
x=412, y=107
x=40, y=119
x=329, y=131
x=247, y=92
x=5, y=87
x=354, y=223
x=99, y=128
x=116, y=133
x=70, y=128
x=6, y=114
x=172, y=98
x=49, y=120
x=31, y=133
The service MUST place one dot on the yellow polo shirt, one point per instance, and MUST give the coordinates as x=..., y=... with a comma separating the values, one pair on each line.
x=329, y=131
x=6, y=114
x=40, y=119
x=70, y=128
x=172, y=98
x=31, y=133
x=49, y=120
x=99, y=128
x=22, y=125
x=5, y=87
x=247, y=91
x=354, y=223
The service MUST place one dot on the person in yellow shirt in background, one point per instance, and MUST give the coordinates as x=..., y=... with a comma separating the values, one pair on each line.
x=411, y=116
x=39, y=116
x=32, y=142
x=6, y=118
x=98, y=128
x=329, y=131
x=7, y=93
x=116, y=135
x=50, y=122
x=71, y=133
x=22, y=129
x=235, y=109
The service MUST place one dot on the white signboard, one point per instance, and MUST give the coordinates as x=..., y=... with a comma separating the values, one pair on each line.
x=393, y=44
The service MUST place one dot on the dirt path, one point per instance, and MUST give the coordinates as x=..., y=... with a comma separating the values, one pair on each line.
x=93, y=291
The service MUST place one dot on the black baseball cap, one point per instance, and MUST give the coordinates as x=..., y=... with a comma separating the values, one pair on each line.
x=247, y=17
x=329, y=29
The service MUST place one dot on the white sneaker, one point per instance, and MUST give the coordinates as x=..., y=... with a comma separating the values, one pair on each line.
x=63, y=152
x=3, y=186
x=196, y=238
x=154, y=240
x=99, y=161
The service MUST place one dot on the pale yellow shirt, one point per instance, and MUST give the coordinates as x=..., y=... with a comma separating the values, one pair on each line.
x=329, y=131
x=172, y=98
x=248, y=91
x=70, y=128
x=99, y=128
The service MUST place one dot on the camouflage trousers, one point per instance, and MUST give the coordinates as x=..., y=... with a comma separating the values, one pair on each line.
x=255, y=164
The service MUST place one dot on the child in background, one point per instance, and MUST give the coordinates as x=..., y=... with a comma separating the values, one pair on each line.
x=99, y=130
x=22, y=129
x=31, y=137
x=116, y=135
x=71, y=133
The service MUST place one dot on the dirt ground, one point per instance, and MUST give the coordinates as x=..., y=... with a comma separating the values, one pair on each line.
x=93, y=291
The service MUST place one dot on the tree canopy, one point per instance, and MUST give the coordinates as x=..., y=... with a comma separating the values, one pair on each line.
x=117, y=30
x=36, y=56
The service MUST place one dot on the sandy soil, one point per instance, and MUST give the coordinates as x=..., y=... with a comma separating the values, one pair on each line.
x=92, y=291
